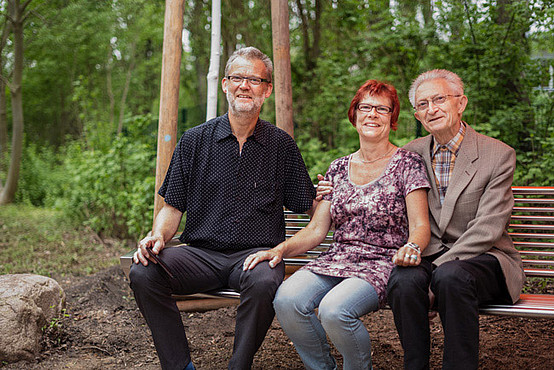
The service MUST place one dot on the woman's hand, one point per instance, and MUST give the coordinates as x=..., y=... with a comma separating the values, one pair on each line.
x=323, y=187
x=273, y=255
x=407, y=256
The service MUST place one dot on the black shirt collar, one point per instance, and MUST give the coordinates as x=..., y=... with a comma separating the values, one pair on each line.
x=223, y=130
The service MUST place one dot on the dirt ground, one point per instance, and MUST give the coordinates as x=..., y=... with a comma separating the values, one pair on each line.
x=103, y=329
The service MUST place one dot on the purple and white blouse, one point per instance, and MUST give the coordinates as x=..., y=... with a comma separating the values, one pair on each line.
x=371, y=221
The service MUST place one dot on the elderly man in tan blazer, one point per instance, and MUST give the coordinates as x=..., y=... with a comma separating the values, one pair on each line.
x=470, y=259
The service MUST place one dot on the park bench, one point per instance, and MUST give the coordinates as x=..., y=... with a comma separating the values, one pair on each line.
x=531, y=227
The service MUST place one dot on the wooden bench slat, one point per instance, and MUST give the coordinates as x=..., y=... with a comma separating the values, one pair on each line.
x=529, y=305
x=534, y=201
x=531, y=236
x=533, y=190
x=531, y=227
x=542, y=273
x=533, y=218
x=526, y=244
x=529, y=262
x=537, y=253
x=532, y=209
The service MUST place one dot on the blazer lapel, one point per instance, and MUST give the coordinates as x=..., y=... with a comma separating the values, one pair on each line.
x=464, y=170
x=433, y=199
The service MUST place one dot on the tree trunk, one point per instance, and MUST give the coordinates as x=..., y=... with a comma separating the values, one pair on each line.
x=109, y=85
x=16, y=17
x=6, y=30
x=3, y=123
x=169, y=95
x=281, y=58
x=128, y=76
x=215, y=56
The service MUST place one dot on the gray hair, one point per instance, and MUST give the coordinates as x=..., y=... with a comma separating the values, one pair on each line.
x=452, y=78
x=251, y=53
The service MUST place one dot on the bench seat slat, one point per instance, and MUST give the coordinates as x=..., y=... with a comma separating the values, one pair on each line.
x=531, y=227
x=529, y=305
x=531, y=236
x=533, y=209
x=533, y=190
x=521, y=244
x=533, y=218
x=535, y=272
x=534, y=201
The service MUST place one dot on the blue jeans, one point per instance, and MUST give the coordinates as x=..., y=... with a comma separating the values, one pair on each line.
x=341, y=302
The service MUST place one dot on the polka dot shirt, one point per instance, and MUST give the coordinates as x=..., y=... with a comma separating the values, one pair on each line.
x=235, y=200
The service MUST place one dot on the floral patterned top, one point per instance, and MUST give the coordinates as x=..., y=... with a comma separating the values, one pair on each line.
x=371, y=221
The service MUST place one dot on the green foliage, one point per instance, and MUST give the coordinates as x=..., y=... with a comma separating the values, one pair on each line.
x=535, y=166
x=41, y=176
x=111, y=190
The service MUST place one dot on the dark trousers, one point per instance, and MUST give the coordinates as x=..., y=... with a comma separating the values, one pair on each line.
x=459, y=286
x=200, y=270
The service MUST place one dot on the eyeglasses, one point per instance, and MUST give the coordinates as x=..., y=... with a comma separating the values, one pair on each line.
x=381, y=109
x=437, y=100
x=255, y=81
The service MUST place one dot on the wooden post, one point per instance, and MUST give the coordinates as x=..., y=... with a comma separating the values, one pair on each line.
x=169, y=94
x=215, y=55
x=281, y=61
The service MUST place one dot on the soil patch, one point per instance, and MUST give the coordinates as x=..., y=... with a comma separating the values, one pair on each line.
x=103, y=329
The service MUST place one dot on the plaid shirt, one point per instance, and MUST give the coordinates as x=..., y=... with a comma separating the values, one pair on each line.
x=443, y=158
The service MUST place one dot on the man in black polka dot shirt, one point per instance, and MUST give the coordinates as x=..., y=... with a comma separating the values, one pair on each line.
x=232, y=176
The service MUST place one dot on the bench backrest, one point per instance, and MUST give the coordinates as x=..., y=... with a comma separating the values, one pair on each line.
x=531, y=227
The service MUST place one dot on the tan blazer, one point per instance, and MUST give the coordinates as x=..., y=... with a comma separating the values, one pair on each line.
x=476, y=210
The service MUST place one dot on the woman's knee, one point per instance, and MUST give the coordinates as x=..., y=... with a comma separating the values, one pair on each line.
x=290, y=299
x=330, y=315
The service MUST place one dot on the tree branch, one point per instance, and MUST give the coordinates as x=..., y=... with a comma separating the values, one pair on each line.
x=507, y=33
x=7, y=82
x=25, y=5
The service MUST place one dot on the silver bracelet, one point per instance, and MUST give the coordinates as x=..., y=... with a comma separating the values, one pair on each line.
x=413, y=246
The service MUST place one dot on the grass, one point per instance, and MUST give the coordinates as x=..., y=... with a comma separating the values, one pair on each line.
x=43, y=241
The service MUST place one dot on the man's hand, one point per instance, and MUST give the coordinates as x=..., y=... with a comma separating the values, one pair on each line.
x=141, y=255
x=407, y=256
x=323, y=187
x=432, y=313
x=273, y=255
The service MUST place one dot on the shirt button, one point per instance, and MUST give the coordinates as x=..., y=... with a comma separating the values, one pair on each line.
x=236, y=221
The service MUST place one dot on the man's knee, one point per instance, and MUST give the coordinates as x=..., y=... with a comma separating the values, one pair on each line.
x=142, y=277
x=451, y=277
x=406, y=279
x=262, y=280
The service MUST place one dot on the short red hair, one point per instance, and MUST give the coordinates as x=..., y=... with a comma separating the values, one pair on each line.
x=376, y=88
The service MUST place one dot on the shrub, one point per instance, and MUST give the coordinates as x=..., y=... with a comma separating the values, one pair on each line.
x=112, y=190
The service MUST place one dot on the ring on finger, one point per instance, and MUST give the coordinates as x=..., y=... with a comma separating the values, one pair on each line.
x=413, y=256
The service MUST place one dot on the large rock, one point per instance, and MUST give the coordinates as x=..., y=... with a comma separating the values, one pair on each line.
x=27, y=303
